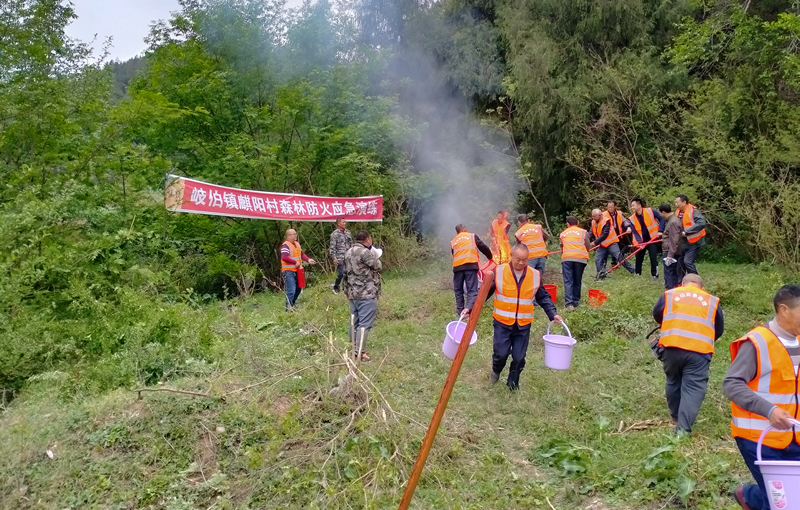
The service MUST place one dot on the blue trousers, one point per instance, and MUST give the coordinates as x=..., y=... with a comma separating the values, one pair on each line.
x=339, y=276
x=602, y=254
x=291, y=287
x=513, y=341
x=755, y=495
x=538, y=263
x=573, y=273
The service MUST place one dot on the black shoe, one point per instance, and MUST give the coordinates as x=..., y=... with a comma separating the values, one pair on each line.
x=494, y=377
x=512, y=386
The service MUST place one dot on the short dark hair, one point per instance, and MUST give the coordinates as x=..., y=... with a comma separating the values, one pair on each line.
x=460, y=228
x=572, y=221
x=340, y=218
x=788, y=295
x=502, y=211
x=612, y=202
x=522, y=218
x=665, y=207
x=362, y=235
x=683, y=198
x=639, y=201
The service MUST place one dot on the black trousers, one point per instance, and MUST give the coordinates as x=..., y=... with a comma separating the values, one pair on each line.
x=688, y=258
x=673, y=275
x=468, y=279
x=513, y=341
x=652, y=250
x=339, y=276
x=687, y=380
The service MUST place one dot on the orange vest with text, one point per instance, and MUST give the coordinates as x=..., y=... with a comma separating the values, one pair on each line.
x=650, y=224
x=531, y=236
x=295, y=252
x=597, y=230
x=573, y=245
x=512, y=303
x=775, y=382
x=688, y=222
x=689, y=319
x=465, y=250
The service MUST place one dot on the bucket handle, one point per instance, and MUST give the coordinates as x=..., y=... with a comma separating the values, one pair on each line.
x=563, y=323
x=764, y=434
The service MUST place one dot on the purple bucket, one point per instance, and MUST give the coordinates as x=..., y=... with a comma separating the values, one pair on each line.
x=558, y=349
x=452, y=338
x=781, y=478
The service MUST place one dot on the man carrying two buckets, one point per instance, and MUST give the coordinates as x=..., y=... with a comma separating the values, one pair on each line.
x=516, y=287
x=763, y=386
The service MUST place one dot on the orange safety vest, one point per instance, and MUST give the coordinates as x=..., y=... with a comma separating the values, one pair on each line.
x=620, y=221
x=531, y=236
x=689, y=317
x=465, y=250
x=688, y=222
x=514, y=303
x=775, y=382
x=573, y=245
x=649, y=222
x=597, y=230
x=499, y=229
x=295, y=252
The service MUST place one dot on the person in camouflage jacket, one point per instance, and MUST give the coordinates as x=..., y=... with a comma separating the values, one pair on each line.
x=341, y=241
x=362, y=285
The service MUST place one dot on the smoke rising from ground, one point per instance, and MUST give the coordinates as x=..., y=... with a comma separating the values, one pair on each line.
x=464, y=164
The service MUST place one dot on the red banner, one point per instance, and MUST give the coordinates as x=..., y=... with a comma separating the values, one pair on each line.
x=190, y=196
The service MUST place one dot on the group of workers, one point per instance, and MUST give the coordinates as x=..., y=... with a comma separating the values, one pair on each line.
x=762, y=381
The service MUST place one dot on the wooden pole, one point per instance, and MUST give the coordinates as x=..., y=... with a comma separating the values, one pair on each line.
x=450, y=382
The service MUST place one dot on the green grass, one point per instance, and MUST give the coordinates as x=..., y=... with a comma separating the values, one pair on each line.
x=288, y=443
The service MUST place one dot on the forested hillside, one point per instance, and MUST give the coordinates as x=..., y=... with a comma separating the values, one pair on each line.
x=450, y=110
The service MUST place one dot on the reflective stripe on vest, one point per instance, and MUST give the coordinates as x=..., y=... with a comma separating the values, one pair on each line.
x=689, y=314
x=688, y=222
x=649, y=222
x=295, y=252
x=465, y=250
x=597, y=230
x=514, y=303
x=775, y=381
x=531, y=236
x=573, y=245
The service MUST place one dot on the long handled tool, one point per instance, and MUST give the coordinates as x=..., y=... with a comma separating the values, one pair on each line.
x=603, y=273
x=559, y=251
x=449, y=383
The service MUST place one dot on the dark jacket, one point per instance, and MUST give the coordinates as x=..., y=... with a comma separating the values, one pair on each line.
x=673, y=237
x=473, y=266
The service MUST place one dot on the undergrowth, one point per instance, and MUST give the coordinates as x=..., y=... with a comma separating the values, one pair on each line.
x=272, y=416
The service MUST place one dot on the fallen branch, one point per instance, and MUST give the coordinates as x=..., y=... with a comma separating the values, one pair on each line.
x=173, y=390
x=639, y=425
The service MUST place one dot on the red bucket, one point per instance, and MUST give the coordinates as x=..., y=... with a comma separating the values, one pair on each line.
x=553, y=291
x=596, y=298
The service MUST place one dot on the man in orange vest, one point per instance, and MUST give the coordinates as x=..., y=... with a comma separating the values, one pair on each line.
x=691, y=321
x=292, y=258
x=648, y=225
x=499, y=232
x=465, y=247
x=607, y=241
x=762, y=384
x=532, y=236
x=620, y=225
x=574, y=257
x=516, y=287
x=694, y=232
